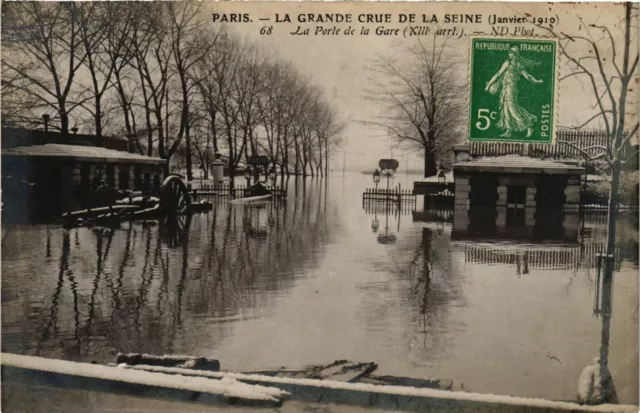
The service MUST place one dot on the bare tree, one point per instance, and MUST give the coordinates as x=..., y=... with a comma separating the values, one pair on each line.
x=161, y=75
x=189, y=44
x=606, y=64
x=420, y=99
x=608, y=75
x=94, y=23
x=43, y=53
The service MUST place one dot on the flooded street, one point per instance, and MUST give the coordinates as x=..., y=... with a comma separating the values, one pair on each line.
x=307, y=280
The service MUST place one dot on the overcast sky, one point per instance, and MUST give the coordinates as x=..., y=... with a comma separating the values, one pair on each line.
x=338, y=63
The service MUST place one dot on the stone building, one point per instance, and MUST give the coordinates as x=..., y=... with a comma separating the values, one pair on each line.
x=500, y=194
x=47, y=180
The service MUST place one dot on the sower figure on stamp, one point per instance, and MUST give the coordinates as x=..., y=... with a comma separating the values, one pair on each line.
x=513, y=117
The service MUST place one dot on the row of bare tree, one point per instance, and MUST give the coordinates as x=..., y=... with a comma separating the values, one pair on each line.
x=160, y=73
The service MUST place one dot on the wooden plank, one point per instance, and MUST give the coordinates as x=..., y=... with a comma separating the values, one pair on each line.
x=442, y=384
x=341, y=370
x=251, y=199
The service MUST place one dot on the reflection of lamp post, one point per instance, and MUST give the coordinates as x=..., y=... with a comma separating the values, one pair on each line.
x=46, y=118
x=386, y=238
x=376, y=178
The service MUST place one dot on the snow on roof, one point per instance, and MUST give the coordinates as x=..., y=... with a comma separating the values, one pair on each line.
x=448, y=178
x=517, y=164
x=79, y=152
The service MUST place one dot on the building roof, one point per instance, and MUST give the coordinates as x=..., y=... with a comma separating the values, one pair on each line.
x=14, y=137
x=81, y=153
x=448, y=178
x=517, y=164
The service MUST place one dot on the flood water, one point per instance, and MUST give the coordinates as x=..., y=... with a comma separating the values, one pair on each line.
x=318, y=278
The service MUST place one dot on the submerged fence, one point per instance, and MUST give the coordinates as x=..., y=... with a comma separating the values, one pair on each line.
x=238, y=191
x=392, y=195
x=373, y=207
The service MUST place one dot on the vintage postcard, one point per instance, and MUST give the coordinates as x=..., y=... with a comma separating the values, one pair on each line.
x=319, y=206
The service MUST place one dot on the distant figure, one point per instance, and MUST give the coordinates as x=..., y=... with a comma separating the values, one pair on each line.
x=590, y=389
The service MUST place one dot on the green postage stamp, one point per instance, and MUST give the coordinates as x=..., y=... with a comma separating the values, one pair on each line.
x=512, y=90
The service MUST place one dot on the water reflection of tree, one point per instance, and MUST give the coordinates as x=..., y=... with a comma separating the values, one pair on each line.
x=433, y=287
x=150, y=291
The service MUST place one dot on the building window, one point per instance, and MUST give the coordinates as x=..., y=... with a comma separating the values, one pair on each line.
x=156, y=181
x=123, y=178
x=97, y=177
x=137, y=178
x=85, y=176
x=516, y=197
x=111, y=176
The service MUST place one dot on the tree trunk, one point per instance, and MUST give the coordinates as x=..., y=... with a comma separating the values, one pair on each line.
x=185, y=117
x=608, y=392
x=613, y=207
x=326, y=159
x=64, y=120
x=98, y=117
x=430, y=167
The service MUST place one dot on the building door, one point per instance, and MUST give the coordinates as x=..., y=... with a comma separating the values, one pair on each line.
x=483, y=198
x=47, y=181
x=549, y=206
x=123, y=177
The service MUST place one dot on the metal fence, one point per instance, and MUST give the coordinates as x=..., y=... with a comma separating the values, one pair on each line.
x=568, y=150
x=238, y=191
x=394, y=195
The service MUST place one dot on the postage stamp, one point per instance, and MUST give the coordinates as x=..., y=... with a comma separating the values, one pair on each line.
x=512, y=90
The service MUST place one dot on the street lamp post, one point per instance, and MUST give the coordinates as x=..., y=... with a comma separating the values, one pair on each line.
x=441, y=176
x=201, y=173
x=46, y=118
x=247, y=175
x=376, y=178
x=75, y=132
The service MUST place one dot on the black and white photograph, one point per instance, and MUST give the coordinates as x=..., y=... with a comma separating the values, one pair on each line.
x=329, y=207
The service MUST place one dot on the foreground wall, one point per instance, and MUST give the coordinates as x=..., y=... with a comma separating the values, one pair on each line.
x=24, y=372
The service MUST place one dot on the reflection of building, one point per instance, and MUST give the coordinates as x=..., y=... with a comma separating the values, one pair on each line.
x=525, y=257
x=48, y=179
x=503, y=192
